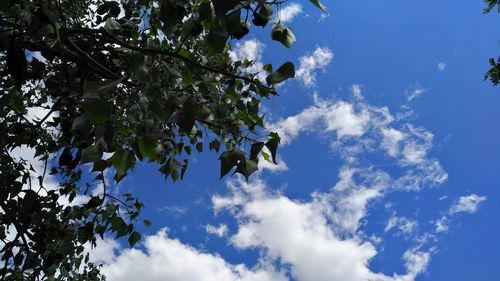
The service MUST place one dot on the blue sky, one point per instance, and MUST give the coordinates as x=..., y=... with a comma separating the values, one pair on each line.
x=388, y=168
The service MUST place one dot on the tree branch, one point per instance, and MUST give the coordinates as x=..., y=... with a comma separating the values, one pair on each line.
x=149, y=51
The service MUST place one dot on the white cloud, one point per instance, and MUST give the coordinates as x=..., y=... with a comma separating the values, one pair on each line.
x=351, y=195
x=441, y=66
x=249, y=49
x=416, y=147
x=416, y=262
x=219, y=231
x=427, y=173
x=391, y=140
x=410, y=146
x=164, y=258
x=402, y=224
x=104, y=251
x=343, y=118
x=289, y=12
x=361, y=130
x=356, y=91
x=414, y=92
x=309, y=64
x=467, y=204
x=300, y=234
x=441, y=224
x=175, y=210
x=323, y=16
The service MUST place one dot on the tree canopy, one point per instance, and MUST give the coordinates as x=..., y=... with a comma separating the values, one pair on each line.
x=119, y=82
x=494, y=73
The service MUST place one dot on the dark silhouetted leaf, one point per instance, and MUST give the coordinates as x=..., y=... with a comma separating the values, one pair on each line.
x=284, y=72
x=283, y=35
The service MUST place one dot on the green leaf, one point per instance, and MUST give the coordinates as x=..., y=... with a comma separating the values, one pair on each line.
x=221, y=7
x=284, y=72
x=266, y=157
x=119, y=226
x=214, y=145
x=147, y=147
x=246, y=168
x=16, y=102
x=134, y=238
x=170, y=169
x=283, y=35
x=266, y=10
x=186, y=76
x=97, y=110
x=100, y=165
x=268, y=67
x=199, y=147
x=80, y=124
x=66, y=157
x=216, y=39
x=175, y=175
x=111, y=25
x=272, y=145
x=262, y=17
x=95, y=89
x=318, y=4
x=205, y=11
x=122, y=160
x=171, y=13
x=255, y=150
x=184, y=168
x=233, y=22
x=91, y=154
x=229, y=159
x=136, y=60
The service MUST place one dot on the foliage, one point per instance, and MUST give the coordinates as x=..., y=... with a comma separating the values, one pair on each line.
x=494, y=73
x=139, y=80
x=491, y=4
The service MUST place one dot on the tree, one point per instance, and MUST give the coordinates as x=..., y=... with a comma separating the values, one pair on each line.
x=139, y=80
x=494, y=73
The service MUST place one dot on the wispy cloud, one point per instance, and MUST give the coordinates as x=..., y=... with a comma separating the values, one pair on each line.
x=402, y=224
x=467, y=204
x=464, y=204
x=414, y=92
x=441, y=224
x=343, y=118
x=360, y=129
x=289, y=12
x=219, y=231
x=356, y=91
x=309, y=64
x=441, y=66
x=174, y=210
x=323, y=16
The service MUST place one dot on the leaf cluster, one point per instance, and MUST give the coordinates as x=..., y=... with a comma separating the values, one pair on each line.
x=494, y=73
x=120, y=82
